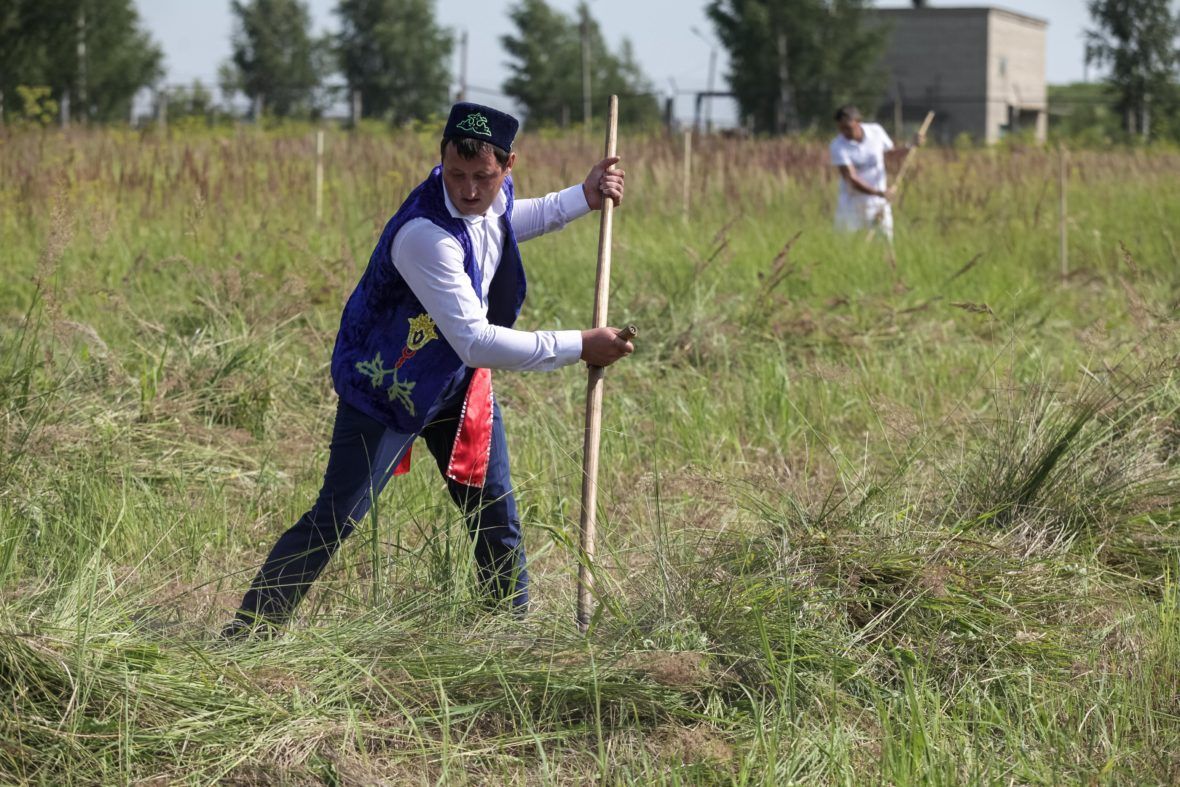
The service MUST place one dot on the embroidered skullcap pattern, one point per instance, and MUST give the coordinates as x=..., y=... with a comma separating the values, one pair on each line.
x=484, y=123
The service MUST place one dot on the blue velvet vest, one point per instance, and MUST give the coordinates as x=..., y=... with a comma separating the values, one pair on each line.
x=390, y=361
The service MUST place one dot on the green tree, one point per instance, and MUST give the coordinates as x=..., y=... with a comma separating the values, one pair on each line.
x=193, y=101
x=828, y=53
x=93, y=51
x=546, y=67
x=1137, y=39
x=275, y=59
x=396, y=54
x=1084, y=113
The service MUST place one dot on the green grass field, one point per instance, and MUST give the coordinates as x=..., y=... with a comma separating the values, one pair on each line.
x=860, y=522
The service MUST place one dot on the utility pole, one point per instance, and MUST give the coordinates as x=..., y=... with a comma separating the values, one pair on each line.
x=463, y=66
x=586, y=118
x=82, y=113
x=162, y=107
x=709, y=88
x=898, y=114
x=356, y=107
x=783, y=115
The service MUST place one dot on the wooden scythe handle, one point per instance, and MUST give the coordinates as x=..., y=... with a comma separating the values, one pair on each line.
x=594, y=400
x=905, y=166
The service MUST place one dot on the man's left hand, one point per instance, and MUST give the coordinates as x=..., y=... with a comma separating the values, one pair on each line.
x=603, y=180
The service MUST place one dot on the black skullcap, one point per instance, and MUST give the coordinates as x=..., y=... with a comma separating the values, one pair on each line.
x=483, y=123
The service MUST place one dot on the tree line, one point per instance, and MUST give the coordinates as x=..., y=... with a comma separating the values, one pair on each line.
x=791, y=61
x=91, y=57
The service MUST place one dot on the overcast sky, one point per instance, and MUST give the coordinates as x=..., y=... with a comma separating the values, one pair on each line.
x=196, y=38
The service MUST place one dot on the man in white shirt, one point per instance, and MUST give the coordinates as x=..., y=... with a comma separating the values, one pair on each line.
x=861, y=152
x=431, y=261
x=429, y=319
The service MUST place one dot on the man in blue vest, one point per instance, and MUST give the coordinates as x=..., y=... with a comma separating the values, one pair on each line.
x=431, y=316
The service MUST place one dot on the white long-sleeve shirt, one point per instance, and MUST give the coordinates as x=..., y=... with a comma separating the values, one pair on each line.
x=431, y=262
x=856, y=210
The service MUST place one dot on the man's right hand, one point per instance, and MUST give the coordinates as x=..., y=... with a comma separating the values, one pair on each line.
x=602, y=346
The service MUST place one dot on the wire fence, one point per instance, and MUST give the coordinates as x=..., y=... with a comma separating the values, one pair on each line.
x=680, y=108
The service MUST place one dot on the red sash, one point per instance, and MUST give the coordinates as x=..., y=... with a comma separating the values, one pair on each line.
x=473, y=439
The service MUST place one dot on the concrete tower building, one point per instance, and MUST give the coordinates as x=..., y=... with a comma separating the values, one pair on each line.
x=981, y=69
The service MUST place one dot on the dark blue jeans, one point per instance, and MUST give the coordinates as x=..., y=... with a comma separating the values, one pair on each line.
x=363, y=455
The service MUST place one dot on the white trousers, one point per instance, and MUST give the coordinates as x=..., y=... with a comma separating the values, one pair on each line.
x=861, y=216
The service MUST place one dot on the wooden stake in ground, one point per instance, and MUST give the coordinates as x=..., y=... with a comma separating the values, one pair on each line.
x=319, y=175
x=1063, y=217
x=594, y=399
x=905, y=166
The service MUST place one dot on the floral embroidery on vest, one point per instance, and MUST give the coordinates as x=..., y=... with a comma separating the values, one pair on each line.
x=422, y=332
